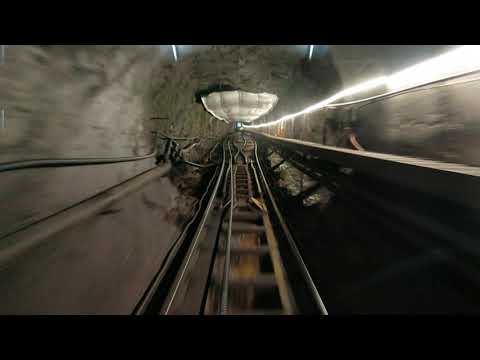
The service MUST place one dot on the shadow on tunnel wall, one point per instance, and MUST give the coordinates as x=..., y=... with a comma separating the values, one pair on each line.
x=71, y=102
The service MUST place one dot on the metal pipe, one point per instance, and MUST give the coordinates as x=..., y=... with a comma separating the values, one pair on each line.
x=197, y=165
x=226, y=268
x=227, y=203
x=355, y=143
x=256, y=179
x=24, y=164
x=36, y=163
x=193, y=246
x=147, y=297
x=211, y=151
x=308, y=279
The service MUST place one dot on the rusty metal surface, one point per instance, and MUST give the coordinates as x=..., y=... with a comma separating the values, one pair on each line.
x=255, y=281
x=231, y=262
x=185, y=294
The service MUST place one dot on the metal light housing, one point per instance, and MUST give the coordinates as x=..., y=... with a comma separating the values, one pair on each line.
x=239, y=105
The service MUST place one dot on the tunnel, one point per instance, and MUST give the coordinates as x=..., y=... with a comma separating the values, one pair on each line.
x=239, y=179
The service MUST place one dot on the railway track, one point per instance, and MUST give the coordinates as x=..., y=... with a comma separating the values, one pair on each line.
x=237, y=256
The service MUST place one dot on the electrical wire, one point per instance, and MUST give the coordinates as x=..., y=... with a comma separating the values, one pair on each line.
x=52, y=162
x=24, y=164
x=319, y=106
x=197, y=165
x=409, y=90
x=141, y=307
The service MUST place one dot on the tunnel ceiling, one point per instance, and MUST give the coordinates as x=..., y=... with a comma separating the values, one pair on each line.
x=271, y=69
x=284, y=70
x=97, y=100
x=70, y=101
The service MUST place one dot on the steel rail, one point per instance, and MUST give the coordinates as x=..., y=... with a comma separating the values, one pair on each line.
x=141, y=308
x=303, y=268
x=226, y=268
x=196, y=237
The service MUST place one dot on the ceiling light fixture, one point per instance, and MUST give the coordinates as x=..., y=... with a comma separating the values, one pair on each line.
x=174, y=48
x=461, y=60
x=237, y=105
x=311, y=52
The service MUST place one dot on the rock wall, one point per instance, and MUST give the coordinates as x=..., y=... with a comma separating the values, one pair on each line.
x=88, y=101
x=440, y=124
x=71, y=102
x=274, y=69
x=437, y=123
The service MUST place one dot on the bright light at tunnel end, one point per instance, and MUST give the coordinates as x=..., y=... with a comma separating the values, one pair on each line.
x=461, y=60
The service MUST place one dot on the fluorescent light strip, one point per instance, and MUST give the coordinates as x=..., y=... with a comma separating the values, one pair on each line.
x=459, y=61
x=2, y=121
x=174, y=48
x=347, y=92
x=413, y=88
x=456, y=62
x=311, y=52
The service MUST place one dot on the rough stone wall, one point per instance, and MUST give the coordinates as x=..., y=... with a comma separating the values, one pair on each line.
x=97, y=101
x=439, y=123
x=75, y=101
x=101, y=265
x=357, y=63
x=86, y=101
x=273, y=69
x=70, y=102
